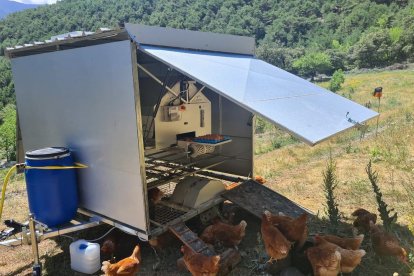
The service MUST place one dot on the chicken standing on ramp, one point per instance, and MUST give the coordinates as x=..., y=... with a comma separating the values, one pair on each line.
x=294, y=229
x=276, y=244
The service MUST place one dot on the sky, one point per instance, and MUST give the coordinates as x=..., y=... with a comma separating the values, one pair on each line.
x=36, y=1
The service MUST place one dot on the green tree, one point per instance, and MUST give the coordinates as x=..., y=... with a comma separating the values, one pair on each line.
x=313, y=63
x=374, y=49
x=8, y=132
x=279, y=56
x=337, y=80
x=6, y=84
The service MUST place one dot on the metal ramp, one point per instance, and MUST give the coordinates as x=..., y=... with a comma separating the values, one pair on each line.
x=255, y=198
x=190, y=239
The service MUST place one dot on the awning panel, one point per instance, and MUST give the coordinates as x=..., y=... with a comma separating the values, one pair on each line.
x=302, y=108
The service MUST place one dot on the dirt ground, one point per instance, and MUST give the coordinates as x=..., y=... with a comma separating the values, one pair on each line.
x=56, y=261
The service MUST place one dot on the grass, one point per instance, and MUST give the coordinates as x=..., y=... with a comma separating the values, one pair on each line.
x=392, y=152
x=295, y=170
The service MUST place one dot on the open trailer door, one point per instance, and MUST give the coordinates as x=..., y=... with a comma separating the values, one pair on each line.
x=307, y=111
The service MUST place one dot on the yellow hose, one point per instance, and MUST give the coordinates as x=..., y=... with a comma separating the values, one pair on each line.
x=3, y=190
x=76, y=166
x=14, y=168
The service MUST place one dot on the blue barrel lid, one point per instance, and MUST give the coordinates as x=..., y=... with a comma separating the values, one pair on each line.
x=51, y=152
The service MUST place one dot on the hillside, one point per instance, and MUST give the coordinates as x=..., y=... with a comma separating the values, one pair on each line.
x=7, y=7
x=351, y=33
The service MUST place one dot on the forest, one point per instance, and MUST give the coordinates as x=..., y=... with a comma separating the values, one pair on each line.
x=305, y=37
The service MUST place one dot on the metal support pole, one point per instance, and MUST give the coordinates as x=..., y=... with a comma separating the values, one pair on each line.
x=156, y=79
x=37, y=266
x=379, y=105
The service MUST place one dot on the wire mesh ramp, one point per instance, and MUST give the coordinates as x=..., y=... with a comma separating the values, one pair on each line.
x=255, y=198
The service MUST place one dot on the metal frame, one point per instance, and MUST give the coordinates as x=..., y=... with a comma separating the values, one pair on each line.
x=37, y=232
x=169, y=168
x=139, y=129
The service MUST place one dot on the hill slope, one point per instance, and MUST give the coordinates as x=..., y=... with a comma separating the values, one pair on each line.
x=362, y=33
x=343, y=34
x=7, y=7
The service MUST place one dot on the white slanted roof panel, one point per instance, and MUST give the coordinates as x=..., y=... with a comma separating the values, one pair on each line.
x=302, y=108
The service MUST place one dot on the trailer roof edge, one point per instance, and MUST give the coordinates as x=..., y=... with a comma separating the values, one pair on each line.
x=187, y=39
x=60, y=44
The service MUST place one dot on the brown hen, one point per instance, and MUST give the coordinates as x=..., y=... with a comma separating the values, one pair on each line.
x=363, y=217
x=276, y=244
x=295, y=230
x=199, y=264
x=117, y=245
x=155, y=195
x=325, y=260
x=386, y=244
x=110, y=245
x=162, y=241
x=260, y=179
x=346, y=243
x=228, y=235
x=126, y=267
x=350, y=259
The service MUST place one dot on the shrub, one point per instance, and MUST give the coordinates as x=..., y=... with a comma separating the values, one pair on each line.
x=330, y=183
x=386, y=218
x=337, y=80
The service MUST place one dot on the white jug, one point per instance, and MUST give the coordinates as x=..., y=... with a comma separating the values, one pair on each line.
x=85, y=257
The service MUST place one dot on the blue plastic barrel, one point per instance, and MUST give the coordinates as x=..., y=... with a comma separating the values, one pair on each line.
x=53, y=197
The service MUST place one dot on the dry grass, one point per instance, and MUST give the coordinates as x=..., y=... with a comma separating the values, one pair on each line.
x=296, y=170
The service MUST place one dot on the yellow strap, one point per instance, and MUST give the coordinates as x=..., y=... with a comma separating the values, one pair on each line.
x=3, y=190
x=77, y=166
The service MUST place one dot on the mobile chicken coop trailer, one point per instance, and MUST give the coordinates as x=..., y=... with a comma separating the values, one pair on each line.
x=138, y=105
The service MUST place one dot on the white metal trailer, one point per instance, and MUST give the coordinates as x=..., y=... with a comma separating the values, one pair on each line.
x=125, y=102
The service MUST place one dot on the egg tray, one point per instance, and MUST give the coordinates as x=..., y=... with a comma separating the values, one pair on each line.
x=211, y=141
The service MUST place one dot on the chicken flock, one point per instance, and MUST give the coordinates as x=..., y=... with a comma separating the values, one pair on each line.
x=281, y=234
